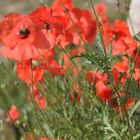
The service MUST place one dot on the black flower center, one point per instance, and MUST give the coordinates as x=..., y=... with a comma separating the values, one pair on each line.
x=47, y=26
x=24, y=32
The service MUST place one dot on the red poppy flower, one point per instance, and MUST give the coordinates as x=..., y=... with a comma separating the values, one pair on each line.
x=53, y=26
x=13, y=113
x=120, y=37
x=83, y=19
x=27, y=74
x=123, y=41
x=98, y=76
x=103, y=91
x=118, y=68
x=42, y=17
x=41, y=102
x=85, y=23
x=90, y=77
x=21, y=38
x=122, y=66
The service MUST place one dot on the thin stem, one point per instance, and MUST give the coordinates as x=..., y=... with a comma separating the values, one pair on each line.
x=125, y=111
x=98, y=26
x=36, y=105
x=33, y=95
x=134, y=109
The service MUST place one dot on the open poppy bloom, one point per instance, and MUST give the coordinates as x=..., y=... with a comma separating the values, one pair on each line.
x=82, y=20
x=53, y=26
x=120, y=37
x=21, y=38
x=123, y=41
x=86, y=26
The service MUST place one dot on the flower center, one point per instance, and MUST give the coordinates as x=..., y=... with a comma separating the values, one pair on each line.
x=24, y=32
x=47, y=26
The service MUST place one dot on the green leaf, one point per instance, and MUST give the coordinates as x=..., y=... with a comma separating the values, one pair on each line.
x=99, y=44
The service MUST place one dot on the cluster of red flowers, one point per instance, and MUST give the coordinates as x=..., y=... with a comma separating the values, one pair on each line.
x=33, y=37
x=121, y=41
x=30, y=39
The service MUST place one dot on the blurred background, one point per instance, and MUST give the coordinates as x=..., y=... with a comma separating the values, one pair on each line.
x=25, y=6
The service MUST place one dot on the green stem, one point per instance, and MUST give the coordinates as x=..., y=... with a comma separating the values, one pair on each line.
x=35, y=105
x=98, y=26
x=125, y=111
